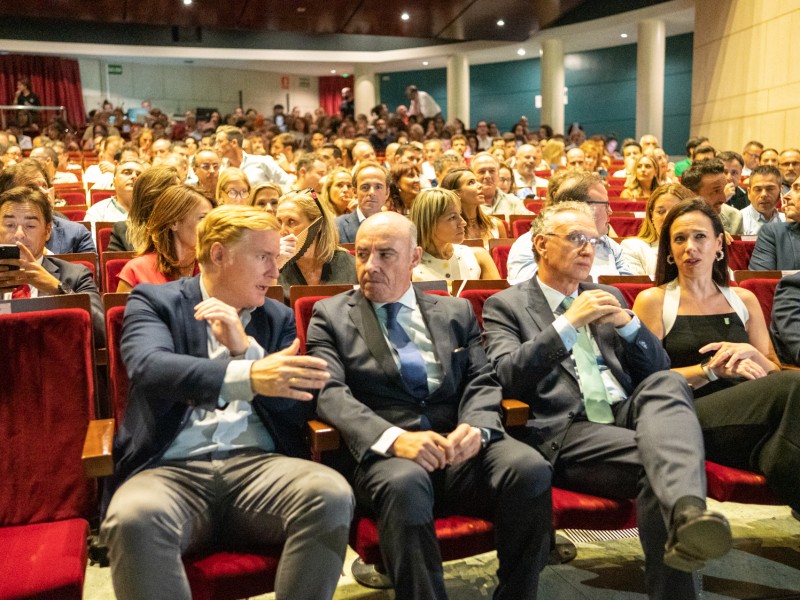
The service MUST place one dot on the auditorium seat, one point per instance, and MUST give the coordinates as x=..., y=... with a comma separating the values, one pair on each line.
x=520, y=224
x=739, y=253
x=111, y=264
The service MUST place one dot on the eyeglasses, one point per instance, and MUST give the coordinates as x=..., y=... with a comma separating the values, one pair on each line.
x=579, y=240
x=208, y=167
x=237, y=194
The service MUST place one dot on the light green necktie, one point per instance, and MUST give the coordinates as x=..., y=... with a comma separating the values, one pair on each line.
x=595, y=394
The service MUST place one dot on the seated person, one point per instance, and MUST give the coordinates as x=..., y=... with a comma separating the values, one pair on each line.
x=117, y=206
x=764, y=194
x=337, y=192
x=717, y=340
x=404, y=185
x=643, y=180
x=577, y=186
x=323, y=262
x=706, y=178
x=418, y=408
x=130, y=234
x=210, y=447
x=233, y=187
x=785, y=326
x=172, y=235
x=26, y=220
x=371, y=181
x=440, y=230
x=480, y=225
x=641, y=251
x=266, y=196
x=778, y=244
x=607, y=412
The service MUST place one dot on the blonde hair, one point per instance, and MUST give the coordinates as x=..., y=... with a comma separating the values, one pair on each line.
x=647, y=231
x=552, y=152
x=172, y=206
x=431, y=204
x=328, y=236
x=325, y=199
x=227, y=225
x=267, y=185
x=633, y=185
x=227, y=176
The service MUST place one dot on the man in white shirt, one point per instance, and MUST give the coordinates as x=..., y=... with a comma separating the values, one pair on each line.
x=259, y=169
x=371, y=182
x=421, y=103
x=528, y=158
x=48, y=158
x=432, y=151
x=116, y=208
x=631, y=152
x=496, y=201
x=482, y=133
x=764, y=194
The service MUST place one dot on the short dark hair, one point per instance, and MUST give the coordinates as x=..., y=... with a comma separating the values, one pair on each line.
x=729, y=155
x=24, y=195
x=404, y=148
x=666, y=271
x=695, y=173
x=766, y=170
x=337, y=152
x=703, y=148
x=631, y=142
x=307, y=160
x=693, y=143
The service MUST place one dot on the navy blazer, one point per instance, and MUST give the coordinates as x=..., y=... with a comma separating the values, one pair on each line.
x=533, y=365
x=67, y=237
x=80, y=280
x=348, y=227
x=366, y=394
x=785, y=325
x=777, y=248
x=165, y=351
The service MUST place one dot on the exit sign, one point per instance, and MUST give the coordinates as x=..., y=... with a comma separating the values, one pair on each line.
x=115, y=69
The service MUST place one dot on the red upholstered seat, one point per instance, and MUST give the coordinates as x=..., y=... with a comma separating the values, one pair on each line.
x=726, y=484
x=103, y=239
x=303, y=308
x=72, y=197
x=73, y=213
x=118, y=376
x=521, y=226
x=631, y=290
x=99, y=195
x=113, y=267
x=477, y=298
x=739, y=253
x=764, y=290
x=500, y=258
x=573, y=510
x=625, y=226
x=46, y=560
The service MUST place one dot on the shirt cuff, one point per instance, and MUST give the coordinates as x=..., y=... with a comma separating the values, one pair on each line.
x=566, y=331
x=630, y=330
x=384, y=443
x=236, y=385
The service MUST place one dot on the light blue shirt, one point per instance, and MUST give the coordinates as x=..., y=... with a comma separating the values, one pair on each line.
x=752, y=220
x=236, y=426
x=569, y=336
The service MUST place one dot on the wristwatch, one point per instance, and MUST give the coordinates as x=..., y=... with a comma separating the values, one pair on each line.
x=64, y=288
x=708, y=371
x=486, y=437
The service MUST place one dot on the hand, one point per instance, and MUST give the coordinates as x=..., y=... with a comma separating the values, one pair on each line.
x=225, y=324
x=106, y=166
x=426, y=448
x=285, y=374
x=288, y=249
x=465, y=442
x=352, y=205
x=593, y=305
x=30, y=273
x=730, y=189
x=732, y=360
x=728, y=239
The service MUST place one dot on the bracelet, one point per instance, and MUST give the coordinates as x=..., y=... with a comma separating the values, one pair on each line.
x=709, y=372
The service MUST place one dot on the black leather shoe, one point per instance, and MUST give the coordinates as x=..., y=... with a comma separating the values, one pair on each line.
x=696, y=536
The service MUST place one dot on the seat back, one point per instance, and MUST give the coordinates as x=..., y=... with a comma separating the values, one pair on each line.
x=477, y=298
x=764, y=290
x=739, y=253
x=631, y=290
x=46, y=403
x=625, y=225
x=117, y=374
x=520, y=224
x=112, y=264
x=500, y=258
x=98, y=195
x=303, y=307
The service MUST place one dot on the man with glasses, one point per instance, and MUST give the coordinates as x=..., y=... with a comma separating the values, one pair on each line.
x=577, y=186
x=752, y=156
x=606, y=411
x=789, y=166
x=259, y=169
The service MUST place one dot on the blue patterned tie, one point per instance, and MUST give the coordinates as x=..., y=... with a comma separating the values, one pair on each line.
x=412, y=367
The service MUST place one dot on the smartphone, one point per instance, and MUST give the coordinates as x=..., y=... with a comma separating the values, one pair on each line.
x=9, y=251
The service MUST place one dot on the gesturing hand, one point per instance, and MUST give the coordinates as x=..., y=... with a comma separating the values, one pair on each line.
x=285, y=374
x=426, y=448
x=225, y=324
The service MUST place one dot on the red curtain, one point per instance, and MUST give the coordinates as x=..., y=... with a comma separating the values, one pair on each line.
x=330, y=93
x=57, y=82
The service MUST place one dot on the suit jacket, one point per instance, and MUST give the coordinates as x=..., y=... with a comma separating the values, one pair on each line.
x=68, y=237
x=366, y=395
x=119, y=238
x=739, y=200
x=533, y=365
x=165, y=351
x=777, y=247
x=731, y=219
x=348, y=227
x=785, y=324
x=79, y=279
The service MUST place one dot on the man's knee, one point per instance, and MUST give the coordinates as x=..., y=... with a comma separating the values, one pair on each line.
x=527, y=471
x=133, y=517
x=668, y=385
x=329, y=495
x=406, y=488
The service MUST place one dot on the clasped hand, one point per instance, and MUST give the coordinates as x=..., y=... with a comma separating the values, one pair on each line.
x=731, y=360
x=596, y=306
x=433, y=451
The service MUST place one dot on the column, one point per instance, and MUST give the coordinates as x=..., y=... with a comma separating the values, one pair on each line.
x=650, y=53
x=458, y=88
x=553, y=85
x=366, y=96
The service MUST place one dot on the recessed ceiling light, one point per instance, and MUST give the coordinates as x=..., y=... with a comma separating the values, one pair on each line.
x=405, y=16
x=424, y=63
x=500, y=23
x=623, y=35
x=521, y=51
x=301, y=9
x=333, y=70
x=187, y=2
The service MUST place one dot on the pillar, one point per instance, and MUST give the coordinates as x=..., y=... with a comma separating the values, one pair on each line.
x=651, y=50
x=553, y=85
x=458, y=88
x=364, y=89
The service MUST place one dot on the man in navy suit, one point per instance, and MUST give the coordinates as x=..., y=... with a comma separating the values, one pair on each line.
x=778, y=244
x=371, y=181
x=419, y=409
x=607, y=412
x=208, y=449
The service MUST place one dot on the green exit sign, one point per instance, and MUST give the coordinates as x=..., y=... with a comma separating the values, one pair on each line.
x=115, y=69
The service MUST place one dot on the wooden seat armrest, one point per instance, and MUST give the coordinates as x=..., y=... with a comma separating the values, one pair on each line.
x=515, y=413
x=789, y=367
x=322, y=437
x=96, y=458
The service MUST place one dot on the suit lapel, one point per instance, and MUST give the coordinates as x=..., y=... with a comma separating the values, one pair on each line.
x=366, y=323
x=196, y=332
x=542, y=316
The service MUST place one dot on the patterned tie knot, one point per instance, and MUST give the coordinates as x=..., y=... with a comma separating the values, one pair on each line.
x=392, y=308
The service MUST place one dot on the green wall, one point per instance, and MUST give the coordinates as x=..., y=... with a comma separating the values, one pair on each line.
x=601, y=90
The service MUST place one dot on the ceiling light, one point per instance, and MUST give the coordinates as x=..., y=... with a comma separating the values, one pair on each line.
x=405, y=16
x=424, y=63
x=500, y=23
x=187, y=2
x=521, y=51
x=301, y=9
x=623, y=35
x=333, y=70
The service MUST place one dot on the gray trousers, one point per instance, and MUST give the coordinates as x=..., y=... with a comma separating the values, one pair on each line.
x=247, y=499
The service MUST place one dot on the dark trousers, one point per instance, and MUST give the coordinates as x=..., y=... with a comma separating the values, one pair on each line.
x=507, y=482
x=654, y=452
x=756, y=426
